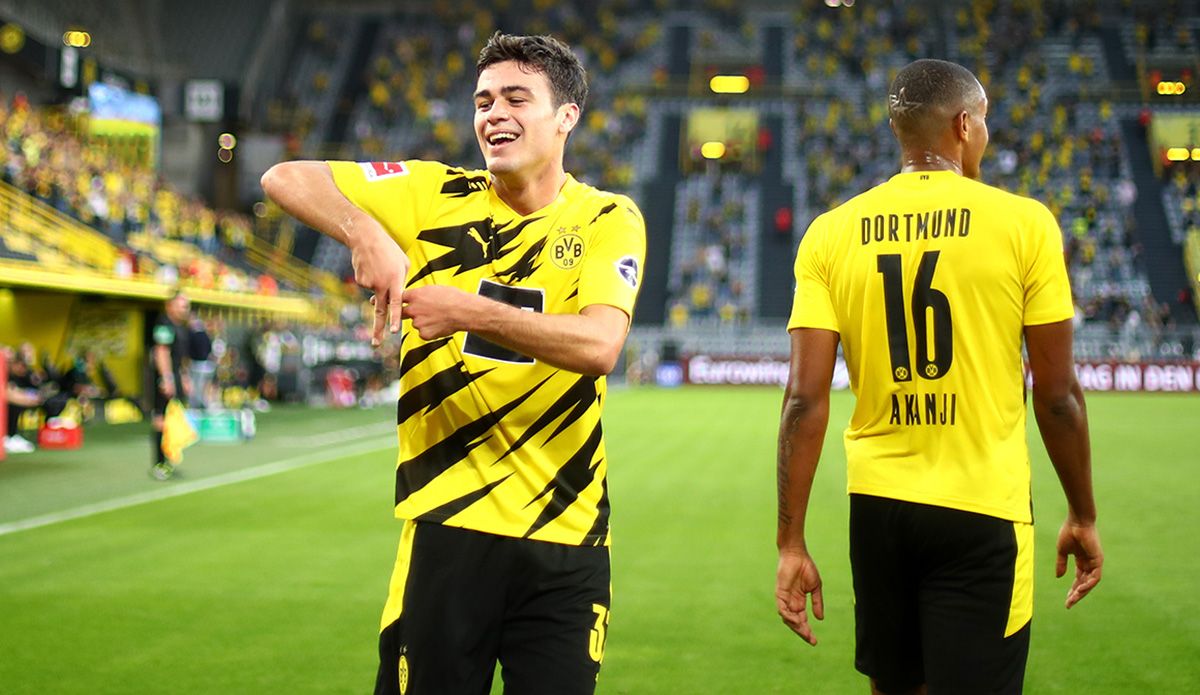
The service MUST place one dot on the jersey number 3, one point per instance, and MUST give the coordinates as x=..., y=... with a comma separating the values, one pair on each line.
x=930, y=316
x=527, y=298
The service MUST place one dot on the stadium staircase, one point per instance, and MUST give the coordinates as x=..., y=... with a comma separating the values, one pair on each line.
x=775, y=278
x=1162, y=257
x=1119, y=69
x=658, y=208
x=354, y=81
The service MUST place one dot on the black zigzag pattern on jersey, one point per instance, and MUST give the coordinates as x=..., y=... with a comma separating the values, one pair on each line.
x=599, y=530
x=577, y=399
x=572, y=477
x=574, y=290
x=430, y=393
x=420, y=353
x=462, y=185
x=417, y=472
x=472, y=245
x=603, y=211
x=526, y=266
x=455, y=506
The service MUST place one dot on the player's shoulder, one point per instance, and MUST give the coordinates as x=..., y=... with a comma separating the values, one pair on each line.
x=458, y=182
x=1013, y=204
x=398, y=170
x=596, y=205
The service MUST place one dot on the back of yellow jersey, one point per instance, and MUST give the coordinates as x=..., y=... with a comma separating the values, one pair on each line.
x=929, y=279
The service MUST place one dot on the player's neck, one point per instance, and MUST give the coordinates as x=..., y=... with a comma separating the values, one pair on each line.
x=928, y=160
x=525, y=193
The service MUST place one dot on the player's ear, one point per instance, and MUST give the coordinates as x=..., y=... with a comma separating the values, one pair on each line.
x=962, y=126
x=568, y=118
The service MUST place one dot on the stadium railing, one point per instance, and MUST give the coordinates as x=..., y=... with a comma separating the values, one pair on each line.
x=58, y=239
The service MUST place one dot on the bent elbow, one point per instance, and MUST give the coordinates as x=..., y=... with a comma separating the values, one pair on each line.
x=601, y=365
x=1058, y=398
x=604, y=360
x=272, y=179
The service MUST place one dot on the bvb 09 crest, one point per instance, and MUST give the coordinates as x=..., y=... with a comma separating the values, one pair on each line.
x=567, y=251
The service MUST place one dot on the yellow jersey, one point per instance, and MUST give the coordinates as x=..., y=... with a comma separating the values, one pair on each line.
x=490, y=439
x=929, y=279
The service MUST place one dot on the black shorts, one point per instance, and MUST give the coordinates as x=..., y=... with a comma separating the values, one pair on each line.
x=461, y=600
x=941, y=596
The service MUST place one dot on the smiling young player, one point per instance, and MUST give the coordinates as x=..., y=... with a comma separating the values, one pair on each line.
x=516, y=286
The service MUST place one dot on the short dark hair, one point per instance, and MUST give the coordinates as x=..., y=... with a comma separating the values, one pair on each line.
x=544, y=54
x=927, y=90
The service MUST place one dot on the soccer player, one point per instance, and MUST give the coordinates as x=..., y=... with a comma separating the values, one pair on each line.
x=514, y=287
x=168, y=365
x=929, y=281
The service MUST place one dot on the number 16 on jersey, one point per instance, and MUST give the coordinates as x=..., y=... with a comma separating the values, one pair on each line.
x=931, y=319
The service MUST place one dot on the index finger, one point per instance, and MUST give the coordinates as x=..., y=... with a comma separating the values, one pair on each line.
x=395, y=306
x=1083, y=585
x=379, y=320
x=797, y=621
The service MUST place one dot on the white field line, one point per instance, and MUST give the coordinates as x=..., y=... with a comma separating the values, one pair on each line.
x=177, y=489
x=337, y=436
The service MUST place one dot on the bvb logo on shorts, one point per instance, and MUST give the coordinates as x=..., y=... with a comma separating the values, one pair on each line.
x=402, y=674
x=567, y=251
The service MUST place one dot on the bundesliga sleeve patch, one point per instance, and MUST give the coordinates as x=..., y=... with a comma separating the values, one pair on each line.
x=383, y=170
x=627, y=268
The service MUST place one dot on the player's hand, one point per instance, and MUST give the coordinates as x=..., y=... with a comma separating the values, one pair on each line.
x=796, y=579
x=437, y=311
x=1082, y=541
x=381, y=267
x=167, y=386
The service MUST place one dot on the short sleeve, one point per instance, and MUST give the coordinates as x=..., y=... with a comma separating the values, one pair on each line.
x=812, y=307
x=400, y=195
x=1047, y=287
x=164, y=334
x=612, y=268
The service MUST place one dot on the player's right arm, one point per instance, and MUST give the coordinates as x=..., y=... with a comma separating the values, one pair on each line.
x=1062, y=419
x=306, y=190
x=801, y=434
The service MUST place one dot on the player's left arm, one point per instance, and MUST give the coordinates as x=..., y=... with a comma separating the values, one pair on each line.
x=588, y=342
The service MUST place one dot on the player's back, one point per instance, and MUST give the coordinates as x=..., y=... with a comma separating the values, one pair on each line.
x=931, y=278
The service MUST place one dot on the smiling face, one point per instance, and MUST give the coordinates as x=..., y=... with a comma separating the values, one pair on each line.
x=517, y=125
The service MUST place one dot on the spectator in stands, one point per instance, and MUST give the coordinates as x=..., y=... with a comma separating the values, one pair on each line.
x=200, y=366
x=22, y=394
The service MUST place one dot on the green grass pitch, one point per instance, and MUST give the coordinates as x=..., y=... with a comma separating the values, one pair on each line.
x=263, y=568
